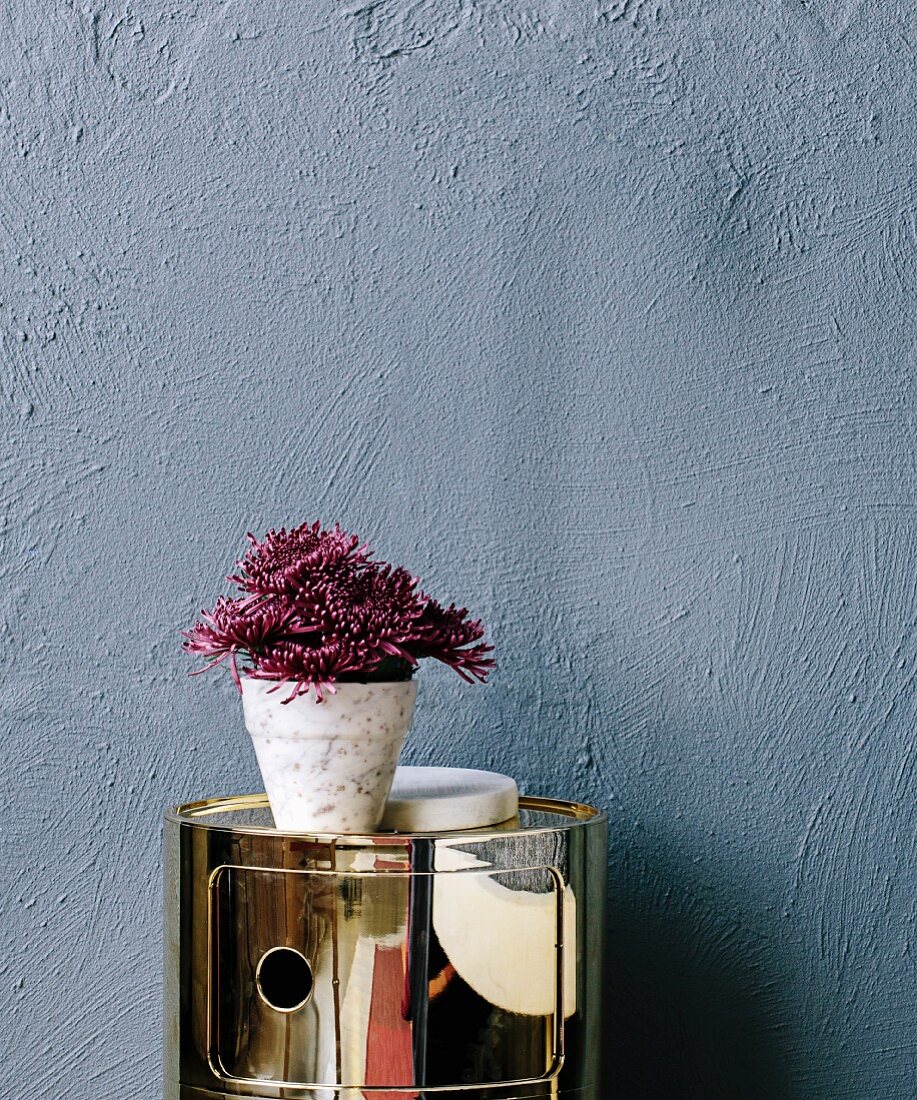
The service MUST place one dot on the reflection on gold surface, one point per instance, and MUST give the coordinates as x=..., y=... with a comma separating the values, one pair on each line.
x=502, y=939
x=460, y=964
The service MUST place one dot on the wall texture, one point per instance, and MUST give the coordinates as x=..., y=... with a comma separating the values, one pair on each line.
x=600, y=316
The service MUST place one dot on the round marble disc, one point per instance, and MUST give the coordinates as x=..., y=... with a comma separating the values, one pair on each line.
x=434, y=800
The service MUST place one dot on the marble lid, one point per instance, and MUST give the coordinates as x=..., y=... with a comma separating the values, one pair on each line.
x=430, y=800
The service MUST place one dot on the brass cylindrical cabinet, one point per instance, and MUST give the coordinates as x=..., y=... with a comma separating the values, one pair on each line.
x=384, y=967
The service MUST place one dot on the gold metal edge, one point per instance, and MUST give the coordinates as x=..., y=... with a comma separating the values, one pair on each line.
x=199, y=814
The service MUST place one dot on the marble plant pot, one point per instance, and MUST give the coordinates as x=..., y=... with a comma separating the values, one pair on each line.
x=328, y=767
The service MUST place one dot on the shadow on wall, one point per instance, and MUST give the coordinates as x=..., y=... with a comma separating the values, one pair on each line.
x=694, y=1006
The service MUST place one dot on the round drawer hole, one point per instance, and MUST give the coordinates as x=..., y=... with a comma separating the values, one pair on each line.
x=284, y=979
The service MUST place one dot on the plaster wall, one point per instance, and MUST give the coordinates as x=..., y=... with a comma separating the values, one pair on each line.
x=599, y=316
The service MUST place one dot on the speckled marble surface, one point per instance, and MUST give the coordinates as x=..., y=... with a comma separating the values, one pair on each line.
x=328, y=767
x=439, y=799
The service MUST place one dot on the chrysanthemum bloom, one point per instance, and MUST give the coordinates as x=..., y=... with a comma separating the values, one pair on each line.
x=239, y=626
x=316, y=609
x=285, y=560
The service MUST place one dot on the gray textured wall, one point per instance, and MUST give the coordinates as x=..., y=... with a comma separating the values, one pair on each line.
x=600, y=316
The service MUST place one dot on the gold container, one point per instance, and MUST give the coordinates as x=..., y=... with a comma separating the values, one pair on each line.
x=386, y=967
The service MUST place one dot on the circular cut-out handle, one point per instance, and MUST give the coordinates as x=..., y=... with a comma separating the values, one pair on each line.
x=284, y=979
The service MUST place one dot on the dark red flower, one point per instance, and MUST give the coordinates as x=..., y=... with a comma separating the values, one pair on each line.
x=316, y=609
x=448, y=635
x=247, y=626
x=287, y=559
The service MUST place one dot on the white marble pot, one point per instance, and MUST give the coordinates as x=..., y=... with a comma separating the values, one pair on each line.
x=328, y=767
